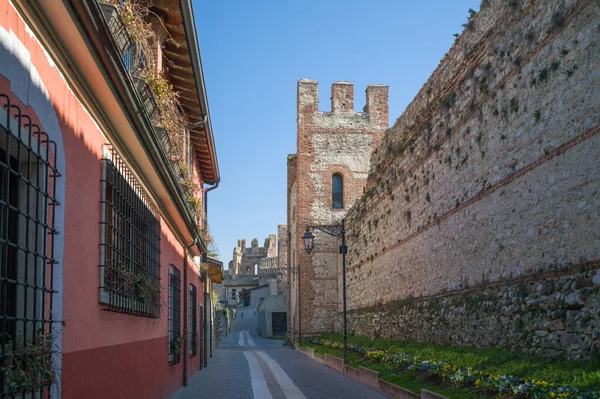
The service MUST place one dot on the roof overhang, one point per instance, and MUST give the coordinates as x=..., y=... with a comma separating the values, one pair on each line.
x=185, y=73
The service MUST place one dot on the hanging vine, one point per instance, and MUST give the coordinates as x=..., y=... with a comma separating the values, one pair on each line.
x=170, y=116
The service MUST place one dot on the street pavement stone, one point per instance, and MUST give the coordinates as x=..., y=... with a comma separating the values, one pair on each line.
x=228, y=373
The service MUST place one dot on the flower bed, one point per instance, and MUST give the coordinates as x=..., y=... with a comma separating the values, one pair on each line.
x=498, y=383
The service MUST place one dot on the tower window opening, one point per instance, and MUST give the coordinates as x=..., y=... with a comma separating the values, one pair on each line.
x=337, y=192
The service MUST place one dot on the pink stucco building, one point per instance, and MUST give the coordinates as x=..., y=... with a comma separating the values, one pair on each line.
x=103, y=222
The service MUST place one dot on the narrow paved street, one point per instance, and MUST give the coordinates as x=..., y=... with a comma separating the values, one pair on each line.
x=248, y=366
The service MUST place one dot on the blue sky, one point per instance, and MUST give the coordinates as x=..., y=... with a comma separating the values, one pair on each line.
x=253, y=54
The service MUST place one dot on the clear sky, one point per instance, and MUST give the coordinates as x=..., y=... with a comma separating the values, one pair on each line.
x=253, y=54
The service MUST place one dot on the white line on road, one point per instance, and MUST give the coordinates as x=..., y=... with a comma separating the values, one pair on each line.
x=259, y=384
x=249, y=338
x=288, y=387
x=241, y=340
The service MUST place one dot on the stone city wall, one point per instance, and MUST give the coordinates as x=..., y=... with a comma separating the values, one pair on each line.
x=490, y=175
x=547, y=314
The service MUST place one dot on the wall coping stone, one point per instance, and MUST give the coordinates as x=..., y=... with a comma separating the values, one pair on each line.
x=425, y=394
x=335, y=363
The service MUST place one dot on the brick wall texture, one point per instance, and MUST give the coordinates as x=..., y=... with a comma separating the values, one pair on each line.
x=491, y=175
x=337, y=142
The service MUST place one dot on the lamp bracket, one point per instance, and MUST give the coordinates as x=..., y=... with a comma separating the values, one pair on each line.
x=332, y=229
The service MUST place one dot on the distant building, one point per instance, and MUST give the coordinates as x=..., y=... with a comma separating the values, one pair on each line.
x=257, y=277
x=245, y=260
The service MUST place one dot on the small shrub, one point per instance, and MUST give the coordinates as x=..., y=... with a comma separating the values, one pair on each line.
x=543, y=75
x=514, y=105
x=28, y=366
x=558, y=20
x=533, y=82
x=518, y=60
x=472, y=51
x=176, y=345
x=450, y=100
x=529, y=36
x=571, y=71
x=399, y=149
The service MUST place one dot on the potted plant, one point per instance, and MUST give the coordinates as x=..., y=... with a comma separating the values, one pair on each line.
x=117, y=27
x=145, y=92
x=163, y=138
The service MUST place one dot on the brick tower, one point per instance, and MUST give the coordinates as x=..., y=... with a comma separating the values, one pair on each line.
x=325, y=178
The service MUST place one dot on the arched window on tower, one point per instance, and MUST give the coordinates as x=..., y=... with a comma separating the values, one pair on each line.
x=337, y=192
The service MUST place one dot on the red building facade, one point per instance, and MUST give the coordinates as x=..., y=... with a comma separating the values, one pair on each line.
x=103, y=231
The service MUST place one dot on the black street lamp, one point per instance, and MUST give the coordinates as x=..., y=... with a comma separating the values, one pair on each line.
x=296, y=269
x=335, y=230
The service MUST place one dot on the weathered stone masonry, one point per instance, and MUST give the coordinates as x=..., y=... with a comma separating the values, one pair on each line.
x=490, y=176
x=336, y=142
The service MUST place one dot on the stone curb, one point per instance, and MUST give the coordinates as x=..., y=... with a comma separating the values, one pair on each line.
x=367, y=377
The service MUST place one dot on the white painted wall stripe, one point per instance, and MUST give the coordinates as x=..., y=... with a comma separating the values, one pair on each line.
x=249, y=338
x=288, y=387
x=259, y=384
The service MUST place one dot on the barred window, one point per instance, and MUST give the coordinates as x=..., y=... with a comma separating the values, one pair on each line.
x=130, y=242
x=337, y=191
x=175, y=338
x=28, y=177
x=193, y=320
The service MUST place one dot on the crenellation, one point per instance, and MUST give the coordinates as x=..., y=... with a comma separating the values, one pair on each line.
x=377, y=105
x=342, y=97
x=308, y=98
x=343, y=118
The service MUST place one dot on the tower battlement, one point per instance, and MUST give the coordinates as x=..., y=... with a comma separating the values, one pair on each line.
x=342, y=101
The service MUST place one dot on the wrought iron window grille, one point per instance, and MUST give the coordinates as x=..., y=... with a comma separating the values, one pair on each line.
x=193, y=321
x=175, y=337
x=130, y=242
x=28, y=175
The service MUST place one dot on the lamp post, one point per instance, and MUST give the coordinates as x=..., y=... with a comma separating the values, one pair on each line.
x=296, y=269
x=335, y=230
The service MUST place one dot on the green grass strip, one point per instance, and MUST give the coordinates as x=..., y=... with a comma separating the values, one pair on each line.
x=487, y=372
